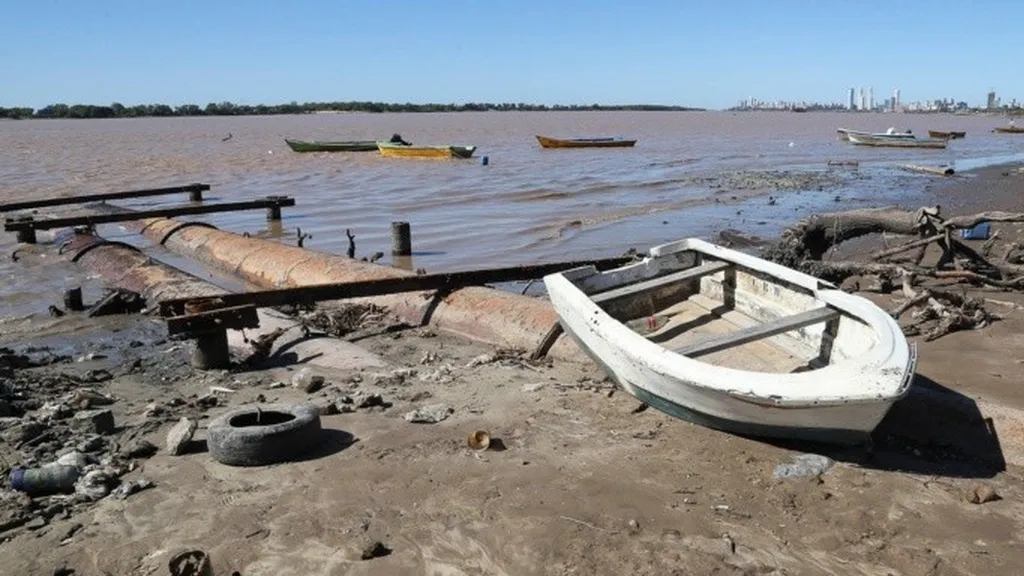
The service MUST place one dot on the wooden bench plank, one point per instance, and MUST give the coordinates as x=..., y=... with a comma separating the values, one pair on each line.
x=759, y=332
x=647, y=286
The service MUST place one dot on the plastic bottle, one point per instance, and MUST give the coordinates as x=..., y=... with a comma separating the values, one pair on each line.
x=53, y=479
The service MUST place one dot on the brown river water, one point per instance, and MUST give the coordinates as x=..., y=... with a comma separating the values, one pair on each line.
x=690, y=174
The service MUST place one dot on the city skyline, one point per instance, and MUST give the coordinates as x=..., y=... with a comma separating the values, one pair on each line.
x=704, y=55
x=862, y=98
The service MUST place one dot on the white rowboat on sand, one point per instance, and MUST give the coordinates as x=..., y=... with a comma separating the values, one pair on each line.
x=750, y=346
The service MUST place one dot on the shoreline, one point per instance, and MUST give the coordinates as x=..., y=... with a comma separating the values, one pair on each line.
x=578, y=444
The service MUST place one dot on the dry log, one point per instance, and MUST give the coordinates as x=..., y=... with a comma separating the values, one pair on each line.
x=813, y=237
x=941, y=171
x=920, y=242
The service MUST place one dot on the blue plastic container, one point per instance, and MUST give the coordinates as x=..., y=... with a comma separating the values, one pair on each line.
x=55, y=479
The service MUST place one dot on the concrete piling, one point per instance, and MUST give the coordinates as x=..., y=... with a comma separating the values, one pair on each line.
x=26, y=235
x=73, y=299
x=401, y=239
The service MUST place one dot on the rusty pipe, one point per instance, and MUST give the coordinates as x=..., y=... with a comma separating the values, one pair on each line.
x=126, y=267
x=484, y=314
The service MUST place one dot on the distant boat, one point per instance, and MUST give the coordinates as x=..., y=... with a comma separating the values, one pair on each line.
x=844, y=134
x=339, y=146
x=391, y=149
x=887, y=142
x=547, y=142
x=1009, y=130
x=946, y=135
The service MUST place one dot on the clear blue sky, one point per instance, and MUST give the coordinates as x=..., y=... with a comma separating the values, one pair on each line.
x=707, y=53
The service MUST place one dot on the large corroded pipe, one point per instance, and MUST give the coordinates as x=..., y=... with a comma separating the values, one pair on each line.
x=126, y=267
x=484, y=314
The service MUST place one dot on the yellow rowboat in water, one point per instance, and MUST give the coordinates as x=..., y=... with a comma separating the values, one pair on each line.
x=400, y=151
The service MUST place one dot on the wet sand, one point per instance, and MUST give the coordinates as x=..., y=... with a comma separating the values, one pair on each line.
x=586, y=484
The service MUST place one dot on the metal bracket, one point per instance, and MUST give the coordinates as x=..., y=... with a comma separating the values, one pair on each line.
x=181, y=226
x=83, y=251
x=200, y=323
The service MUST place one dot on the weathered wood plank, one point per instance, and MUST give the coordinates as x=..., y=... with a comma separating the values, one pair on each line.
x=759, y=332
x=648, y=286
x=86, y=198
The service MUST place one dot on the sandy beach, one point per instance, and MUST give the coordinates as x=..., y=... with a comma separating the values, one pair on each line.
x=580, y=478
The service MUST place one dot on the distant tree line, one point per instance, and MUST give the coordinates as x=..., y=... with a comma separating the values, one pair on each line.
x=118, y=110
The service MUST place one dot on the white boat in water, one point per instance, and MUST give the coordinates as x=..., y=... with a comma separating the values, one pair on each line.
x=740, y=344
x=844, y=134
x=886, y=142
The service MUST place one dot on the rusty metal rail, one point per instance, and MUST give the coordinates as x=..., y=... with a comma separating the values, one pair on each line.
x=227, y=305
x=195, y=192
x=273, y=204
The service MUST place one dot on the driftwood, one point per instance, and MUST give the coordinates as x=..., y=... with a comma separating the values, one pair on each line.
x=936, y=311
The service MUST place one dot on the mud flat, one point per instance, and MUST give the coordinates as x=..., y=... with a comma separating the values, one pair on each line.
x=579, y=479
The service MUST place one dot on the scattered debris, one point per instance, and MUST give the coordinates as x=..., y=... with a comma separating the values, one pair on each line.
x=93, y=421
x=139, y=448
x=803, y=466
x=191, y=563
x=479, y=440
x=179, y=437
x=981, y=494
x=307, y=381
x=375, y=549
x=431, y=414
x=118, y=301
x=126, y=489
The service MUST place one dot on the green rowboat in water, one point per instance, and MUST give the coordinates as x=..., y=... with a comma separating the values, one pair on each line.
x=339, y=146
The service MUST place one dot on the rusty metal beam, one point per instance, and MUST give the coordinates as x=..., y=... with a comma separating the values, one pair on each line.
x=377, y=287
x=234, y=318
x=272, y=203
x=194, y=190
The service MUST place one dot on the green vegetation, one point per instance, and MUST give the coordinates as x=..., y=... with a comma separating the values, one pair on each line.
x=118, y=110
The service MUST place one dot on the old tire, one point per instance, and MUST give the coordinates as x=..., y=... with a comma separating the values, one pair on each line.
x=264, y=434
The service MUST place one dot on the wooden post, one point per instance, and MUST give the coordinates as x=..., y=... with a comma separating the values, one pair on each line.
x=211, y=351
x=273, y=212
x=401, y=239
x=73, y=299
x=196, y=193
x=26, y=235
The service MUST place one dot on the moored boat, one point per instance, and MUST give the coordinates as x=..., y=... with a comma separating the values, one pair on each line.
x=739, y=343
x=339, y=146
x=548, y=142
x=401, y=151
x=942, y=135
x=844, y=133
x=871, y=140
x=1009, y=130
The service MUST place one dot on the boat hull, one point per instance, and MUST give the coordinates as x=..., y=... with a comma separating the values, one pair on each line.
x=751, y=403
x=719, y=411
x=547, y=142
x=860, y=140
x=342, y=146
x=844, y=134
x=1010, y=130
x=436, y=152
x=941, y=135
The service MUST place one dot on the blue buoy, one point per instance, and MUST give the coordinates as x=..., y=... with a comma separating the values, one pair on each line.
x=485, y=160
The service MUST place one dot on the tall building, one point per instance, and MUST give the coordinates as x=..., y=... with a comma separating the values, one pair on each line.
x=871, y=98
x=895, y=100
x=863, y=100
x=991, y=104
x=851, y=103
